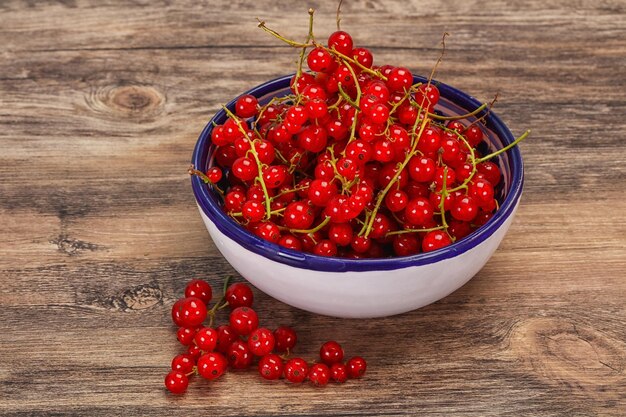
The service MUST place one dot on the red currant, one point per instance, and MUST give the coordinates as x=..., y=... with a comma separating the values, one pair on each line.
x=296, y=370
x=356, y=367
x=239, y=294
x=331, y=352
x=261, y=341
x=271, y=367
x=199, y=289
x=176, y=382
x=212, y=365
x=244, y=320
x=319, y=374
x=285, y=338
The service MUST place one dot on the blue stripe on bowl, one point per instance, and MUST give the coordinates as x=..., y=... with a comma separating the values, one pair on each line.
x=209, y=202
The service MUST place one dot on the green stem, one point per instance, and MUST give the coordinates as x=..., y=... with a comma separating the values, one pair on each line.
x=400, y=232
x=313, y=230
x=463, y=116
x=259, y=165
x=506, y=148
x=282, y=38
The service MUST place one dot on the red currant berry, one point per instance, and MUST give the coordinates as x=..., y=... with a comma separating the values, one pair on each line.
x=299, y=215
x=199, y=289
x=225, y=338
x=341, y=41
x=246, y=106
x=233, y=202
x=320, y=60
x=396, y=200
x=261, y=341
x=340, y=233
x=296, y=370
x=356, y=367
x=206, y=339
x=319, y=374
x=185, y=335
x=325, y=247
x=244, y=320
x=244, y=168
x=418, y=212
x=399, y=79
x=339, y=372
x=285, y=338
x=191, y=312
x=253, y=211
x=212, y=365
x=271, y=367
x=464, y=209
x=289, y=241
x=183, y=363
x=363, y=57
x=316, y=108
x=194, y=351
x=239, y=355
x=406, y=244
x=239, y=294
x=214, y=174
x=434, y=240
x=176, y=382
x=331, y=352
x=491, y=172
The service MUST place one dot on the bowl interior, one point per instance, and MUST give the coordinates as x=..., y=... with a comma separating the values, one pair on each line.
x=452, y=102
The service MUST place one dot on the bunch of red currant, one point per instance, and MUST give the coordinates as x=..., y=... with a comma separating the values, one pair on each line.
x=210, y=351
x=355, y=162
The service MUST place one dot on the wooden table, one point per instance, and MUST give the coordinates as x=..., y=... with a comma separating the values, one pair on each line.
x=100, y=106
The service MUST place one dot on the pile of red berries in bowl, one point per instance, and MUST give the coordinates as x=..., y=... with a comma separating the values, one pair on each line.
x=356, y=190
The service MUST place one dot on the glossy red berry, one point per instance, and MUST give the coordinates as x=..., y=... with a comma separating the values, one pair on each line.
x=356, y=367
x=244, y=320
x=331, y=352
x=225, y=338
x=183, y=363
x=206, y=339
x=320, y=60
x=271, y=367
x=185, y=335
x=239, y=355
x=199, y=289
x=285, y=339
x=214, y=174
x=319, y=374
x=239, y=294
x=189, y=312
x=339, y=372
x=341, y=41
x=212, y=365
x=176, y=382
x=261, y=341
x=464, y=209
x=246, y=106
x=296, y=370
x=434, y=240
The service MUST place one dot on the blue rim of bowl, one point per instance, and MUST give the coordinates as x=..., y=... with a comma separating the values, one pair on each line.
x=231, y=229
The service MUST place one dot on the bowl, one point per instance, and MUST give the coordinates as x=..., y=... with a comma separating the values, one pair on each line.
x=361, y=288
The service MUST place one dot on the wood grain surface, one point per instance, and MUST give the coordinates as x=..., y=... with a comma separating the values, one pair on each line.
x=101, y=103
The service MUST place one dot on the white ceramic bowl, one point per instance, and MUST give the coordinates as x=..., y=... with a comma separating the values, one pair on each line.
x=364, y=287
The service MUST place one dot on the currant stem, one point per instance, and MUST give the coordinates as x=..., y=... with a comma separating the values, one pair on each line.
x=506, y=148
x=313, y=230
x=193, y=171
x=282, y=38
x=259, y=165
x=399, y=169
x=400, y=232
x=339, y=15
x=463, y=116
